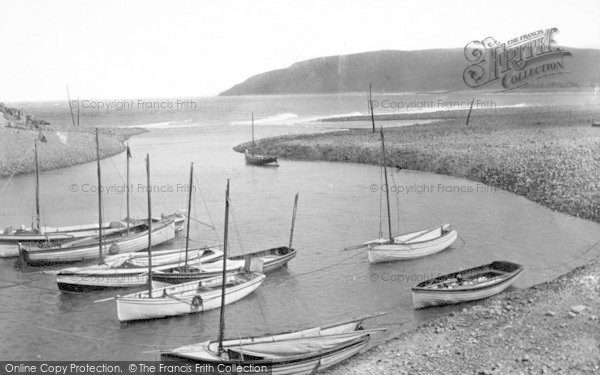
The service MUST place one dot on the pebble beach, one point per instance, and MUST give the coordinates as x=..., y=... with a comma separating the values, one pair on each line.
x=57, y=148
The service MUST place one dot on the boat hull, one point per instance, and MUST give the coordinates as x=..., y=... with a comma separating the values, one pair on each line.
x=9, y=243
x=55, y=236
x=298, y=366
x=138, y=306
x=161, y=233
x=260, y=159
x=271, y=263
x=429, y=244
x=84, y=279
x=82, y=283
x=423, y=297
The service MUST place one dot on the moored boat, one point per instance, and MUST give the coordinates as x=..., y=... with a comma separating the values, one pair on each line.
x=467, y=285
x=256, y=159
x=47, y=237
x=299, y=352
x=272, y=260
x=129, y=270
x=412, y=245
x=159, y=301
x=88, y=249
x=186, y=298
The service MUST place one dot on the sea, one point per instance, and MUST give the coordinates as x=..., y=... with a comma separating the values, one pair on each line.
x=337, y=208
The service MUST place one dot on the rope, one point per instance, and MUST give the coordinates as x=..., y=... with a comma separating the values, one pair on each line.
x=235, y=227
x=357, y=208
x=206, y=209
x=7, y=182
x=397, y=205
x=29, y=324
x=381, y=202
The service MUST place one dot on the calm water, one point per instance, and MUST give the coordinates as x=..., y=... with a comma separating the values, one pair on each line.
x=336, y=209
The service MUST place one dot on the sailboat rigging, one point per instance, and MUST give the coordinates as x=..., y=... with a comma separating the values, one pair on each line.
x=272, y=259
x=163, y=300
x=114, y=237
x=405, y=246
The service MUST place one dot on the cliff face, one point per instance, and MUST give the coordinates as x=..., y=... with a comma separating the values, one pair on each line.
x=396, y=71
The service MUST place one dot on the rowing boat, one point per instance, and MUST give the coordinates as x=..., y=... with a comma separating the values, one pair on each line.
x=468, y=285
x=129, y=270
x=298, y=352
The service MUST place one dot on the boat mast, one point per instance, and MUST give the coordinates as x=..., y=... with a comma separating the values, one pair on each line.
x=387, y=190
x=148, y=188
x=293, y=220
x=37, y=188
x=128, y=156
x=99, y=199
x=71, y=106
x=189, y=215
x=252, y=133
x=222, y=318
x=371, y=109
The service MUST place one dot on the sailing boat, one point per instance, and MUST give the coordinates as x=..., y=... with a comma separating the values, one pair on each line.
x=272, y=260
x=128, y=238
x=298, y=352
x=128, y=270
x=410, y=245
x=191, y=297
x=38, y=235
x=252, y=158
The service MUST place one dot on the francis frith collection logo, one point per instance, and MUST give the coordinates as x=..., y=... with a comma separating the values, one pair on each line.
x=515, y=63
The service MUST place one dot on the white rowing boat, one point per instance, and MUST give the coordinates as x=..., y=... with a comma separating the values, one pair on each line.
x=467, y=285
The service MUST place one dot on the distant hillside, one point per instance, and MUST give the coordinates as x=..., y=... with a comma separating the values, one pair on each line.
x=397, y=71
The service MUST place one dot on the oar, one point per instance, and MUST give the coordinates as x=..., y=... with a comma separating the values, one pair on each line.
x=365, y=244
x=355, y=247
x=177, y=299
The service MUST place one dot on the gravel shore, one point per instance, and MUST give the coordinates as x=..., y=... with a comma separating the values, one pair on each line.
x=62, y=148
x=550, y=328
x=549, y=155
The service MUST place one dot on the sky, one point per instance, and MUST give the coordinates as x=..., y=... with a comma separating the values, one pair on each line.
x=157, y=48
